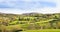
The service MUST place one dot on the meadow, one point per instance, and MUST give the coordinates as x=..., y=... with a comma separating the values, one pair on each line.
x=43, y=30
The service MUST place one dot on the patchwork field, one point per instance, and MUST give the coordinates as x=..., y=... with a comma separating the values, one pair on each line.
x=30, y=22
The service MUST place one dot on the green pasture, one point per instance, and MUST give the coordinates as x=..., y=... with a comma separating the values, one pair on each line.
x=43, y=30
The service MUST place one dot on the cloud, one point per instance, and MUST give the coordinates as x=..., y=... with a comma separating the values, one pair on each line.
x=40, y=6
x=45, y=10
x=25, y=5
x=14, y=11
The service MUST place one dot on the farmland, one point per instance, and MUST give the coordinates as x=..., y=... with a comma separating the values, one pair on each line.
x=30, y=22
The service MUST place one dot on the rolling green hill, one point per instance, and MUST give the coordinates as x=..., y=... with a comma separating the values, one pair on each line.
x=29, y=21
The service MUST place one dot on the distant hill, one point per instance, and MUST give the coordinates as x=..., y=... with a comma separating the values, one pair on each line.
x=13, y=17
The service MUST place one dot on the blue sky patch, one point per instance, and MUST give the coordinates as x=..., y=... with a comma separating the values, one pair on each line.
x=27, y=5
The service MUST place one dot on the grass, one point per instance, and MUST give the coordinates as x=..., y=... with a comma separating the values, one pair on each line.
x=43, y=30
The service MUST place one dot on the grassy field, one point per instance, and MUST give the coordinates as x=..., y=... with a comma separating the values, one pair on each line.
x=43, y=30
x=30, y=22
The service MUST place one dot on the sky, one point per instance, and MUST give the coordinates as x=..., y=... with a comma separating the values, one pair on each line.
x=28, y=6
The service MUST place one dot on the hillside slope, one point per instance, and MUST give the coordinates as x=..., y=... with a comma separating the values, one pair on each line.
x=29, y=21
